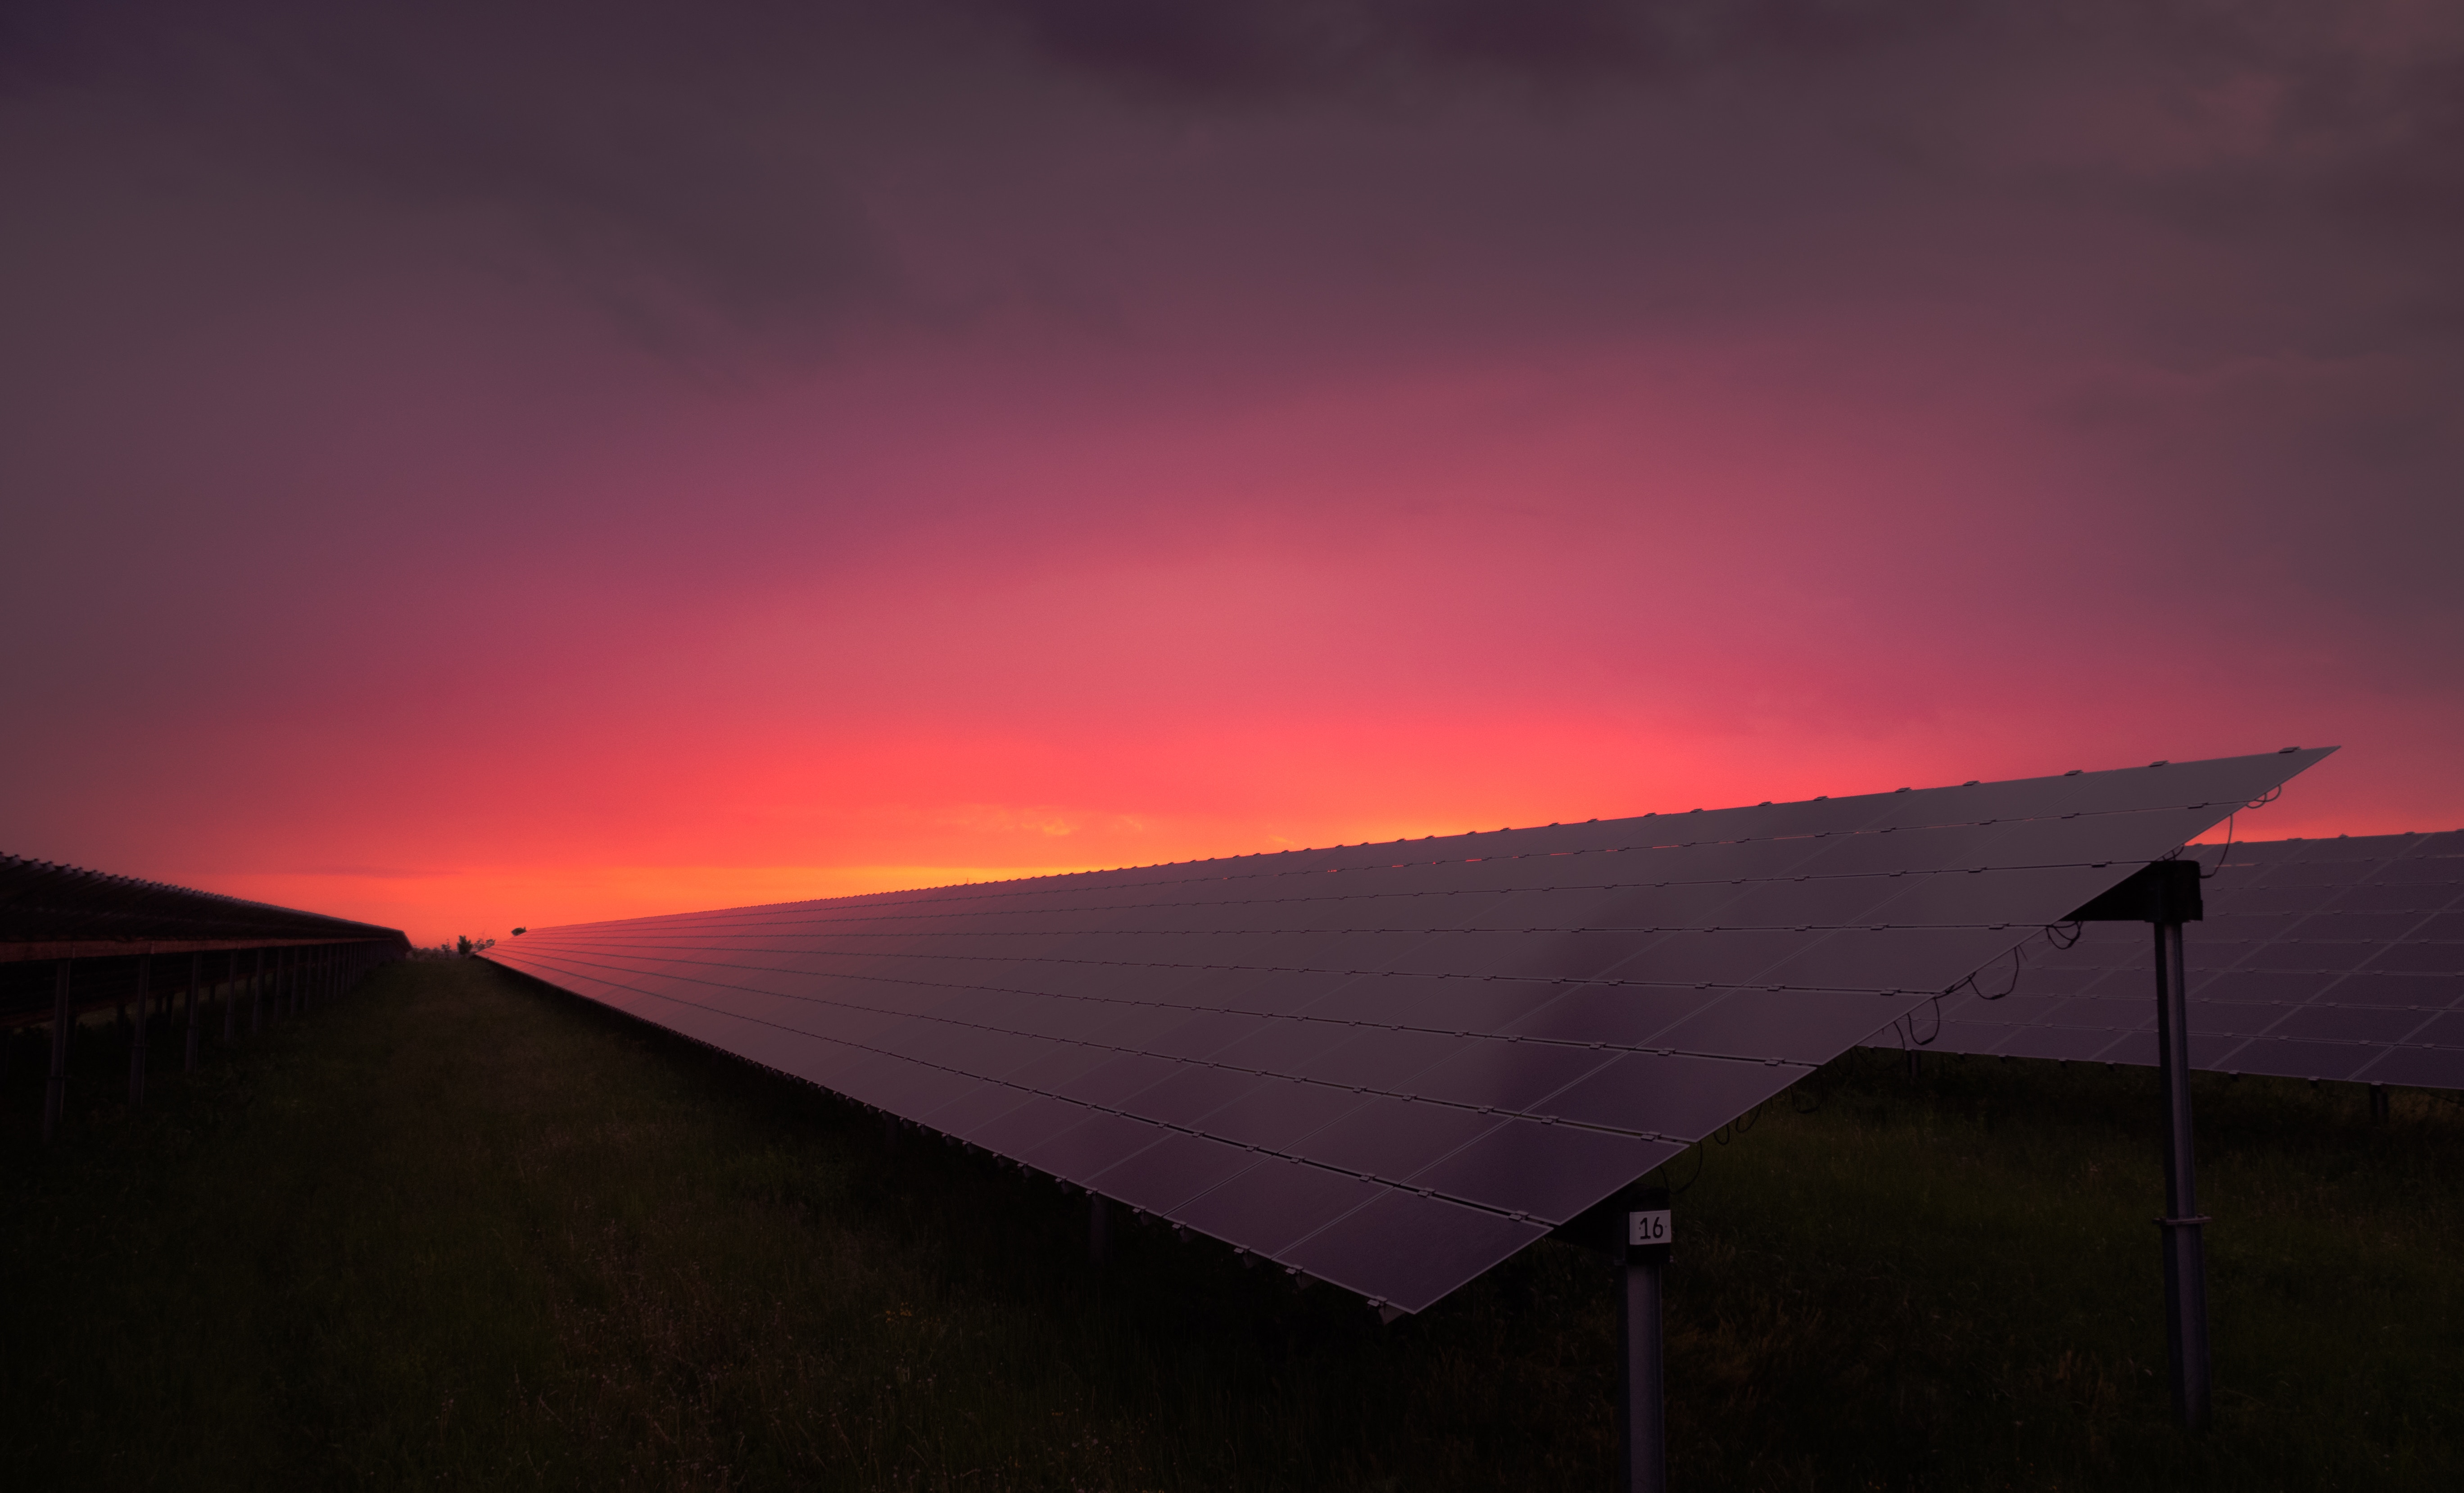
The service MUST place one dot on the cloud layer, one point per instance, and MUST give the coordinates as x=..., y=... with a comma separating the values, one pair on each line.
x=578, y=463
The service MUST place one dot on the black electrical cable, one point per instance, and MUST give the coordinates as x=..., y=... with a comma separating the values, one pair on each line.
x=2017, y=964
x=2259, y=802
x=2226, y=851
x=1928, y=1040
x=1678, y=1189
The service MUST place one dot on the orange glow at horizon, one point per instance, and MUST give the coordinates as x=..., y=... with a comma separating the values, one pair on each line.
x=981, y=842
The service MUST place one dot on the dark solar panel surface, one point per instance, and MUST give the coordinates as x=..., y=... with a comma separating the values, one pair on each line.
x=50, y=911
x=1392, y=1066
x=2318, y=959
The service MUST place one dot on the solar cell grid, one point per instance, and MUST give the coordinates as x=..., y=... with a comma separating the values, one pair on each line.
x=2329, y=960
x=1322, y=1056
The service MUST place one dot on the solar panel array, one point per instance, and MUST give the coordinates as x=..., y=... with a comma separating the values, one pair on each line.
x=2318, y=959
x=1392, y=1066
x=50, y=911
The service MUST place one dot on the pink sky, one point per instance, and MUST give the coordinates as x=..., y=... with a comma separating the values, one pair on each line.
x=464, y=473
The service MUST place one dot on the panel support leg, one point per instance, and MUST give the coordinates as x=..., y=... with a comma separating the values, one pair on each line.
x=196, y=969
x=1099, y=1229
x=144, y=1020
x=1643, y=1366
x=256, y=995
x=2378, y=1104
x=2186, y=1274
x=231, y=998
x=56, y=1088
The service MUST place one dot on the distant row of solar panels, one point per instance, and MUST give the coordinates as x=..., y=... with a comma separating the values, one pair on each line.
x=2336, y=958
x=1392, y=1066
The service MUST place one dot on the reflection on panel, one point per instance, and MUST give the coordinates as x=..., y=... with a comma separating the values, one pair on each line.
x=1390, y=1065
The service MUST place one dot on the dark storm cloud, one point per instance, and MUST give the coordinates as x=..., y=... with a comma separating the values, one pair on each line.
x=2242, y=218
x=716, y=173
x=2286, y=120
x=628, y=146
x=1271, y=48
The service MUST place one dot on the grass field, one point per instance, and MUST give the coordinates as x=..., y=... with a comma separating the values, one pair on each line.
x=453, y=1230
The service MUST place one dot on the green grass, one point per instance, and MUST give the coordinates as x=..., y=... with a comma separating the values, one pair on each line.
x=453, y=1230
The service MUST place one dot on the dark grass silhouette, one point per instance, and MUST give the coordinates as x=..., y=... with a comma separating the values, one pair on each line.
x=458, y=1230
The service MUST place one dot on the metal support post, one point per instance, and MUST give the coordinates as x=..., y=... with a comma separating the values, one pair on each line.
x=256, y=995
x=1643, y=1366
x=2378, y=1104
x=1099, y=1229
x=144, y=1020
x=231, y=996
x=2166, y=895
x=55, y=1090
x=55, y=1095
x=196, y=968
x=2185, y=1278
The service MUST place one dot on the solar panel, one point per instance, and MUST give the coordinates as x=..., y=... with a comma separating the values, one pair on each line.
x=2318, y=959
x=1392, y=1066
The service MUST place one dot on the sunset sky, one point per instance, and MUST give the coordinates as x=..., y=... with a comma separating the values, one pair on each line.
x=462, y=472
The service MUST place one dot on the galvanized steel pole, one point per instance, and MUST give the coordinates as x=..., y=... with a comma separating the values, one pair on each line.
x=2185, y=1278
x=1643, y=1366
